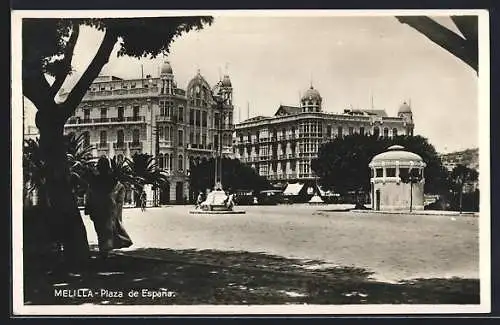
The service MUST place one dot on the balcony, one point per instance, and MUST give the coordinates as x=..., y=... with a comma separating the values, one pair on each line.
x=166, y=144
x=165, y=118
x=121, y=93
x=135, y=145
x=105, y=120
x=119, y=145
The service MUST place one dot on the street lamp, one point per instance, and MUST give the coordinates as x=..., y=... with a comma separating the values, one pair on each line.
x=219, y=105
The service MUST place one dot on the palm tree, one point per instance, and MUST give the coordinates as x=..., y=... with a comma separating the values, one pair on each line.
x=122, y=171
x=144, y=167
x=80, y=160
x=34, y=171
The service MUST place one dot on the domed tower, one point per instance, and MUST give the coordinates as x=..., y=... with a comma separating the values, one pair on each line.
x=167, y=79
x=405, y=113
x=311, y=100
x=226, y=90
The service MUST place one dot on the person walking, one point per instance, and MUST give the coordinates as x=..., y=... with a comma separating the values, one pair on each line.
x=199, y=200
x=143, y=200
x=104, y=206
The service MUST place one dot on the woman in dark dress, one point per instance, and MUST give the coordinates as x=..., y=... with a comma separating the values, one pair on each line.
x=105, y=205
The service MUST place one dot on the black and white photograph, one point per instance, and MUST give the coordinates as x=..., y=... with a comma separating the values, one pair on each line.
x=250, y=162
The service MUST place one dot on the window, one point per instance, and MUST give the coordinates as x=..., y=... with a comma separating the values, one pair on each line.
x=362, y=130
x=120, y=113
x=86, y=138
x=394, y=132
x=204, y=140
x=216, y=120
x=180, y=163
x=104, y=112
x=379, y=172
x=191, y=116
x=181, y=114
x=161, y=161
x=86, y=114
x=103, y=137
x=390, y=172
x=329, y=131
x=120, y=138
x=197, y=140
x=403, y=172
x=191, y=138
x=135, y=112
x=161, y=133
x=216, y=141
x=204, y=118
x=198, y=118
x=170, y=162
x=133, y=85
x=376, y=131
x=386, y=132
x=135, y=136
x=339, y=131
x=180, y=135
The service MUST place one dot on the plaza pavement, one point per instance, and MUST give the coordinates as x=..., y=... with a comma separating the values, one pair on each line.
x=393, y=246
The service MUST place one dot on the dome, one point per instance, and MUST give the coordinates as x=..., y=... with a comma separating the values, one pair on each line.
x=404, y=108
x=311, y=94
x=397, y=153
x=226, y=82
x=166, y=67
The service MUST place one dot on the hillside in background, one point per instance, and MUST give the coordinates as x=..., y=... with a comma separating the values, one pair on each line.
x=468, y=157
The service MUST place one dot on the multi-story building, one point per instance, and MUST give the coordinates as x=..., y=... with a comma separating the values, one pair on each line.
x=154, y=116
x=281, y=147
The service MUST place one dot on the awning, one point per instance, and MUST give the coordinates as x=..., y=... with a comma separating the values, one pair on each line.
x=293, y=189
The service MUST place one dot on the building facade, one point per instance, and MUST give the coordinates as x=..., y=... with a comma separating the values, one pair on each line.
x=179, y=127
x=281, y=147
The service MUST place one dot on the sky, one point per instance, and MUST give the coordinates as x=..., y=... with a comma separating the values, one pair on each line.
x=272, y=60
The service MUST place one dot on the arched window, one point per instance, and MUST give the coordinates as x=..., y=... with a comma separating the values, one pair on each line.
x=386, y=132
x=161, y=161
x=180, y=163
x=170, y=161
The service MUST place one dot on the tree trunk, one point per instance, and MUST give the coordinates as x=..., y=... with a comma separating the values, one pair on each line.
x=411, y=196
x=62, y=203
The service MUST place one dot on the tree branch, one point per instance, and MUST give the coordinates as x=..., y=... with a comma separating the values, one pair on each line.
x=65, y=61
x=36, y=88
x=443, y=37
x=100, y=59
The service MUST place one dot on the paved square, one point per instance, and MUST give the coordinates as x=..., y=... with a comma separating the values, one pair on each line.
x=393, y=246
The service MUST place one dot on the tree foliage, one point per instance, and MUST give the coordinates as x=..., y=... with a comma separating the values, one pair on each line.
x=459, y=177
x=342, y=163
x=235, y=176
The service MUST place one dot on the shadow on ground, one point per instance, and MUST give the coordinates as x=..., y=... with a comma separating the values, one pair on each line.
x=185, y=277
